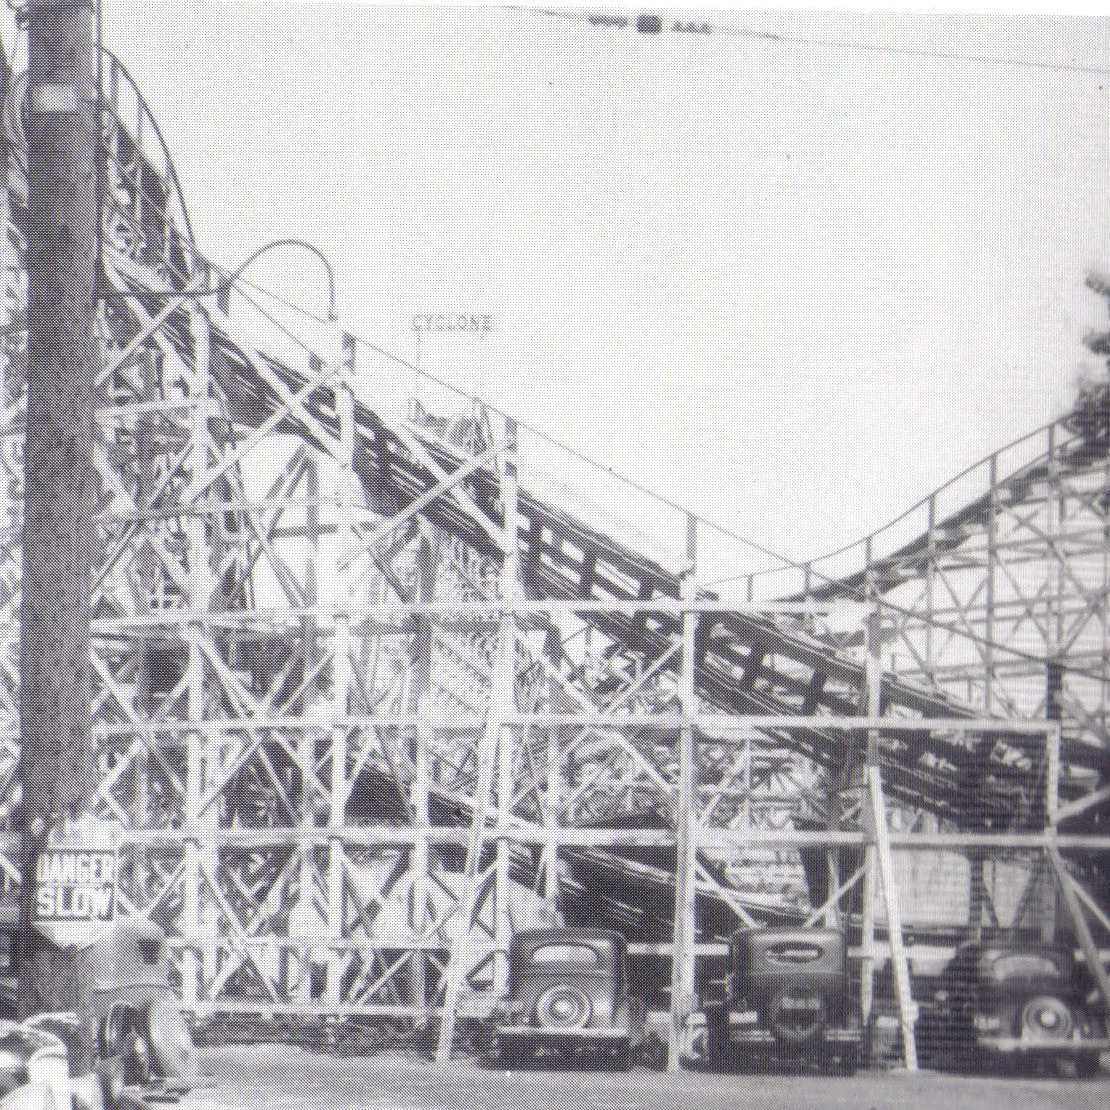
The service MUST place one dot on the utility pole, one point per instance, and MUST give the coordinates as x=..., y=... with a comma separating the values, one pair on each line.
x=56, y=761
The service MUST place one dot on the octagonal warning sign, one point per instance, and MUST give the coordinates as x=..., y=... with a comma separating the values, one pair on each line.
x=76, y=885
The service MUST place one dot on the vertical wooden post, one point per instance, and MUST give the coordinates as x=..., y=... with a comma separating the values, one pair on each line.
x=832, y=854
x=552, y=801
x=1079, y=922
x=510, y=592
x=494, y=735
x=907, y=1008
x=992, y=559
x=685, y=909
x=303, y=917
x=930, y=587
x=10, y=508
x=868, y=891
x=421, y=786
x=1052, y=774
x=881, y=837
x=197, y=746
x=303, y=913
x=1040, y=895
x=147, y=570
x=873, y=676
x=56, y=763
x=551, y=817
x=346, y=492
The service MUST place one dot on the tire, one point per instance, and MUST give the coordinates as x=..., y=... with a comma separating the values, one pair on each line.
x=116, y=1030
x=1087, y=1065
x=718, y=1050
x=621, y=1057
x=848, y=1062
x=171, y=1043
x=1046, y=1018
x=563, y=1007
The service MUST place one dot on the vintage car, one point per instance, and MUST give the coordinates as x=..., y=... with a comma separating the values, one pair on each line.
x=34, y=1071
x=568, y=997
x=1024, y=1002
x=786, y=1002
x=134, y=1016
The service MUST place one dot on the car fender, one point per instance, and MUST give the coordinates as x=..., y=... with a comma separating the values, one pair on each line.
x=171, y=1043
x=31, y=1096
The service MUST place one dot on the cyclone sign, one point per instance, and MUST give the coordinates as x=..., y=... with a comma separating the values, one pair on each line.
x=75, y=885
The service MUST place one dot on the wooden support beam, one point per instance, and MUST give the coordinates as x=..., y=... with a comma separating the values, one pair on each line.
x=502, y=701
x=752, y=667
x=838, y=892
x=868, y=892
x=59, y=536
x=907, y=1008
x=1082, y=930
x=685, y=915
x=342, y=670
x=511, y=590
x=197, y=742
x=420, y=688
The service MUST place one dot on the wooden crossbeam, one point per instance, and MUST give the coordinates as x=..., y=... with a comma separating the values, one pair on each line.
x=1087, y=946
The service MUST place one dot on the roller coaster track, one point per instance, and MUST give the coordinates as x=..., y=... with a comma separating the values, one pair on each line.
x=768, y=668
x=747, y=665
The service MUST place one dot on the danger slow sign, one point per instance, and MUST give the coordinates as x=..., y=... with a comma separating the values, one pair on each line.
x=75, y=885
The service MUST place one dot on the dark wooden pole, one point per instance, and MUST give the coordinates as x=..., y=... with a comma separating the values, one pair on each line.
x=58, y=540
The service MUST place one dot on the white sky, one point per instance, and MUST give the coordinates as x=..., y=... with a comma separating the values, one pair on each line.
x=794, y=287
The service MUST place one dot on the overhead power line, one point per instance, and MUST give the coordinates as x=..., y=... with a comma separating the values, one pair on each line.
x=685, y=23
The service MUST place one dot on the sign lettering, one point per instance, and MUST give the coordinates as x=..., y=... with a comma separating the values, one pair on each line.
x=75, y=885
x=452, y=321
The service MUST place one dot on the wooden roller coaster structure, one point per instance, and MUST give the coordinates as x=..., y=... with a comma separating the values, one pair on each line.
x=367, y=702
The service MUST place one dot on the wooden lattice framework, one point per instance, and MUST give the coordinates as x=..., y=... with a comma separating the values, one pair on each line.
x=351, y=732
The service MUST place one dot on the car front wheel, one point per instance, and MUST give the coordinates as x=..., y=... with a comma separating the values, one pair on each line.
x=1087, y=1065
x=848, y=1062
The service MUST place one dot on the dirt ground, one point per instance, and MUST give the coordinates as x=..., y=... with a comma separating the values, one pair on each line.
x=280, y=1077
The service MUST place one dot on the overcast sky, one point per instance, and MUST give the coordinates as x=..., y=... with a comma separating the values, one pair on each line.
x=793, y=286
